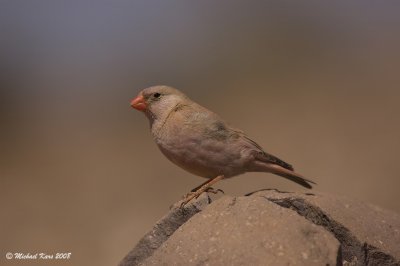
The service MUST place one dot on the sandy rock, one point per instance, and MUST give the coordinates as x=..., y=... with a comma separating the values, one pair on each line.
x=369, y=235
x=270, y=227
x=247, y=231
x=162, y=230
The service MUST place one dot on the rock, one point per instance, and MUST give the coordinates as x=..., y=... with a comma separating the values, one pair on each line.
x=368, y=234
x=247, y=231
x=162, y=230
x=270, y=227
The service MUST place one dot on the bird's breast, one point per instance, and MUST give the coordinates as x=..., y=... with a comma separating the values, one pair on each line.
x=200, y=154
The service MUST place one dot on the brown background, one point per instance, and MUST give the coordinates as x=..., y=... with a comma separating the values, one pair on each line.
x=315, y=84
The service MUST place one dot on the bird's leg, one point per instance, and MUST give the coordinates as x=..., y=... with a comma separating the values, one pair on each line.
x=202, y=184
x=203, y=188
x=209, y=189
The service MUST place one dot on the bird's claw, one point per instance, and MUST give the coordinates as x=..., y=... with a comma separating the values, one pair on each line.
x=204, y=188
x=188, y=197
x=214, y=191
x=191, y=195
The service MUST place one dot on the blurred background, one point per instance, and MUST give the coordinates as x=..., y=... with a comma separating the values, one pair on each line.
x=316, y=84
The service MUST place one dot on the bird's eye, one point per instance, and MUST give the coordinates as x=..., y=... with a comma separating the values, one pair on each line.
x=156, y=95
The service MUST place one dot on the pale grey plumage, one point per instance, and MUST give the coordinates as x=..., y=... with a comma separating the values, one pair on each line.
x=202, y=143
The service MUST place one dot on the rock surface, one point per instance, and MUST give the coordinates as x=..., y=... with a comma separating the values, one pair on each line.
x=368, y=234
x=270, y=227
x=162, y=230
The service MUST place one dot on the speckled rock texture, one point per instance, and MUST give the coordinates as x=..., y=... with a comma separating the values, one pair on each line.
x=270, y=227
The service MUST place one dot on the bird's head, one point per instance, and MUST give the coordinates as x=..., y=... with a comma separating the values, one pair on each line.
x=158, y=100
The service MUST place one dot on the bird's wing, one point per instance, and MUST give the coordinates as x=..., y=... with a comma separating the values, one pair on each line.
x=208, y=124
x=277, y=166
x=213, y=126
x=261, y=155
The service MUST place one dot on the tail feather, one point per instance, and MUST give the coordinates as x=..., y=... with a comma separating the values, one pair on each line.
x=269, y=158
x=293, y=176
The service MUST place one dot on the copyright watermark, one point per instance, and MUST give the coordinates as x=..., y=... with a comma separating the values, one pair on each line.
x=38, y=256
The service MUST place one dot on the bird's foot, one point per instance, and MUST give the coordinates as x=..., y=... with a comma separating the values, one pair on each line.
x=212, y=190
x=188, y=197
x=205, y=187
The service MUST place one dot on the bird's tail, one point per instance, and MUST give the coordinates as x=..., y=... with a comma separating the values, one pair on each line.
x=291, y=175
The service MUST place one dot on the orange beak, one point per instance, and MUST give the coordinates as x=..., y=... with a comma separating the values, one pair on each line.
x=138, y=103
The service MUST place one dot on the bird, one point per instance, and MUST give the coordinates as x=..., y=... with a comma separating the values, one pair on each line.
x=202, y=143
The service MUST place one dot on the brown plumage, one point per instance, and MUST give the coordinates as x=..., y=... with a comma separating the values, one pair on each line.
x=201, y=142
